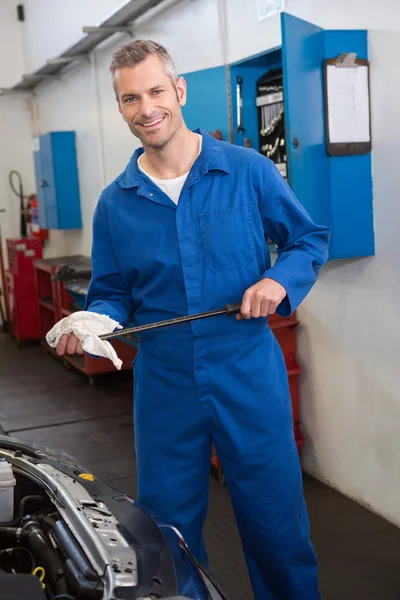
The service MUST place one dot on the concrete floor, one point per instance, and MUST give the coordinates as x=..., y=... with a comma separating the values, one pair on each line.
x=358, y=552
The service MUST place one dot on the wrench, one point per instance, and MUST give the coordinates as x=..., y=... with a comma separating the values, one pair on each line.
x=239, y=102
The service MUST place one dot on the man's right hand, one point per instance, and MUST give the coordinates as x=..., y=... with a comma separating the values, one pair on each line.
x=69, y=344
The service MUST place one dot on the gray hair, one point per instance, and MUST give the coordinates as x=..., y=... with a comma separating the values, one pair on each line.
x=136, y=52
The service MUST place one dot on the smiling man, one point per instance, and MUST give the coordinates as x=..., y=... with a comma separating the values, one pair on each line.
x=183, y=230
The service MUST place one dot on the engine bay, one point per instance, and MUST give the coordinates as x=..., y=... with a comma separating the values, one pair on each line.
x=72, y=537
x=39, y=542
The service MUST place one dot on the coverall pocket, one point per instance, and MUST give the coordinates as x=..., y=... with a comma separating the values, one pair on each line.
x=228, y=238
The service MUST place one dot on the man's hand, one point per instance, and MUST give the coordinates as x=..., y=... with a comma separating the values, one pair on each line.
x=69, y=344
x=262, y=299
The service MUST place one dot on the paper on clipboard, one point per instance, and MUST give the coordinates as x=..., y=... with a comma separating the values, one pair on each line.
x=348, y=104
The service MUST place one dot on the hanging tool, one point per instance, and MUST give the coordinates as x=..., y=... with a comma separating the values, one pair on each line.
x=229, y=309
x=239, y=102
x=22, y=198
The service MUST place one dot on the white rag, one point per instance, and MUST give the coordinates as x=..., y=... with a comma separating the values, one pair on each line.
x=87, y=326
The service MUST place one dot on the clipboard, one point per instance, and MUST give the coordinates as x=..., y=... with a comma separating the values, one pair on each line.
x=347, y=105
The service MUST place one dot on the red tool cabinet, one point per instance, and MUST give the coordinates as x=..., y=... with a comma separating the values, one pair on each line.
x=21, y=288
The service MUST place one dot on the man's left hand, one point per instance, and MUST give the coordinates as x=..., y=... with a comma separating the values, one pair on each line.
x=262, y=299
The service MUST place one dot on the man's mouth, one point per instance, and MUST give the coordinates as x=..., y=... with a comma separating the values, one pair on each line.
x=153, y=123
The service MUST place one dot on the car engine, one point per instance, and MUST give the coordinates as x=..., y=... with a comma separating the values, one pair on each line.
x=72, y=537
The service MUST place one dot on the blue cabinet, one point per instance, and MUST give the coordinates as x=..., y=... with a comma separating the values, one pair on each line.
x=57, y=182
x=335, y=190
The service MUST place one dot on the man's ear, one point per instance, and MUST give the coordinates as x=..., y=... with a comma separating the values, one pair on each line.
x=181, y=91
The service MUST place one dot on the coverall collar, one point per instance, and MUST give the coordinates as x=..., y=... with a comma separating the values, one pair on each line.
x=212, y=157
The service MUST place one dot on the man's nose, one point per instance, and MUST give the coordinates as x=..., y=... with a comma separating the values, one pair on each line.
x=146, y=107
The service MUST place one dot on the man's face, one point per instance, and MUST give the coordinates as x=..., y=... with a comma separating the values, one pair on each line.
x=149, y=102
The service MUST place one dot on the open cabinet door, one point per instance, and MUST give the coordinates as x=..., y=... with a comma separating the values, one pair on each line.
x=308, y=164
x=40, y=190
x=207, y=101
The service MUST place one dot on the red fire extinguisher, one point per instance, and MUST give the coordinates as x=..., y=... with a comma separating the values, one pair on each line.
x=29, y=210
x=32, y=220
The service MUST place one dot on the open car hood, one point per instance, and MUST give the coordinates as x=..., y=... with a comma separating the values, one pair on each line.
x=128, y=554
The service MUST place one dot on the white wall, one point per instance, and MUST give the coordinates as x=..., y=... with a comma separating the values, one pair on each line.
x=15, y=154
x=16, y=115
x=246, y=36
x=12, y=60
x=52, y=26
x=349, y=335
x=347, y=14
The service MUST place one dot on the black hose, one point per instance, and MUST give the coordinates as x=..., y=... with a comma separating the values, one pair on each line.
x=20, y=194
x=21, y=509
x=72, y=549
x=10, y=179
x=81, y=587
x=46, y=556
x=9, y=532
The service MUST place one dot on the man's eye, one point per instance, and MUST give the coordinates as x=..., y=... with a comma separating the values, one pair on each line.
x=130, y=99
x=156, y=92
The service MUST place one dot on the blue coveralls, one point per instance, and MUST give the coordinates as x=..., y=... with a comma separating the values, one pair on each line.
x=217, y=379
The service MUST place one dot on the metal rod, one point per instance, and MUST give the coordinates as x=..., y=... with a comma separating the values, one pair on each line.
x=64, y=60
x=229, y=309
x=107, y=29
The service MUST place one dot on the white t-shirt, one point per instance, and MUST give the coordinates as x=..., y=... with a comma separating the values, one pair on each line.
x=171, y=187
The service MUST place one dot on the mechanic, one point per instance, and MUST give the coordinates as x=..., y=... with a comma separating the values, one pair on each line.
x=183, y=230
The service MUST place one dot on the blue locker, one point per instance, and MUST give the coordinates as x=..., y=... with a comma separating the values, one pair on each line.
x=57, y=182
x=335, y=190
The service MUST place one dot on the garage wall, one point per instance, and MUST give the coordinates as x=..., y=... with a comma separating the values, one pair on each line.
x=246, y=36
x=15, y=120
x=15, y=154
x=12, y=45
x=348, y=340
x=52, y=26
